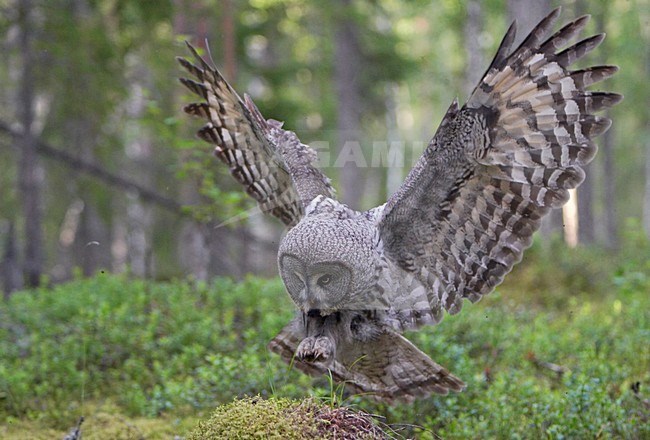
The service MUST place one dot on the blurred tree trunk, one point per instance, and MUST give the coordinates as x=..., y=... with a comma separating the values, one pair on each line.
x=93, y=244
x=229, y=39
x=646, y=124
x=586, y=191
x=89, y=248
x=646, y=197
x=206, y=251
x=193, y=251
x=585, y=195
x=139, y=217
x=347, y=62
x=609, y=171
x=244, y=244
x=475, y=65
x=31, y=173
x=394, y=174
x=10, y=265
x=607, y=152
x=528, y=13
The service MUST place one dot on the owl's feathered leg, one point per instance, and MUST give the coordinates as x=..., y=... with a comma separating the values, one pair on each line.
x=319, y=337
x=288, y=343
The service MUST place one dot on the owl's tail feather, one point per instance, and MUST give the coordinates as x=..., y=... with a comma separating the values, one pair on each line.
x=392, y=368
x=388, y=368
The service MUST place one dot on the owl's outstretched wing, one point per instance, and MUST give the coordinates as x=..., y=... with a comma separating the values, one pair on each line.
x=387, y=368
x=274, y=167
x=496, y=166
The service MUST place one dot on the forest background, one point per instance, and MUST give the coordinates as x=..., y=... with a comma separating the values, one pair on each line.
x=102, y=171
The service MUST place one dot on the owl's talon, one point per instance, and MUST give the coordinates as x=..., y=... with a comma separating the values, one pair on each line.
x=315, y=349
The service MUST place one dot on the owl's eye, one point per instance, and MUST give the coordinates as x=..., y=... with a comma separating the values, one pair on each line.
x=324, y=280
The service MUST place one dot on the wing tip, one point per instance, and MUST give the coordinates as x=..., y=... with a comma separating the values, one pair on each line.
x=193, y=50
x=553, y=15
x=255, y=113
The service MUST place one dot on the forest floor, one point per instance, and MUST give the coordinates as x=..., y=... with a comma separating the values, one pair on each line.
x=559, y=351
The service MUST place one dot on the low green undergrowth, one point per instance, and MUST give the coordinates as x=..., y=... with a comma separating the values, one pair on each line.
x=573, y=362
x=154, y=346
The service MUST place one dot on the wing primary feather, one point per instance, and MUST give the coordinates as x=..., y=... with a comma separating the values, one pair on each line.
x=505, y=46
x=579, y=50
x=537, y=35
x=499, y=164
x=273, y=166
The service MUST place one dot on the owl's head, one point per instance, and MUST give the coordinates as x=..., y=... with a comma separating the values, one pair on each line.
x=328, y=264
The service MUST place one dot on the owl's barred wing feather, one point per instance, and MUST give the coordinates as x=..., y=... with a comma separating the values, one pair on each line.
x=274, y=167
x=469, y=207
x=388, y=368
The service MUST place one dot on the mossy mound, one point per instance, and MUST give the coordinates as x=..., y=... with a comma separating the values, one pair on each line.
x=254, y=418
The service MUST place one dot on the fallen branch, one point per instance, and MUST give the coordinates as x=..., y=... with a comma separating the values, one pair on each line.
x=98, y=172
x=555, y=368
x=122, y=183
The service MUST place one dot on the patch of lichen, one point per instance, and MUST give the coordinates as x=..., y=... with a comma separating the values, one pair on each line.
x=253, y=418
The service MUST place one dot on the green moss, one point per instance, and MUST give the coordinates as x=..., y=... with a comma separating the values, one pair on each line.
x=102, y=421
x=253, y=418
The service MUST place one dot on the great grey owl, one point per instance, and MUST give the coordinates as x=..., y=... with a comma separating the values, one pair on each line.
x=453, y=230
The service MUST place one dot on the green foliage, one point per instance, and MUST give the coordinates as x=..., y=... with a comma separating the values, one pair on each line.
x=501, y=352
x=553, y=275
x=152, y=346
x=558, y=367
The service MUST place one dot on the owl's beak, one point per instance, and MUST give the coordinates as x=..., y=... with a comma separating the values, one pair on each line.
x=317, y=312
x=311, y=305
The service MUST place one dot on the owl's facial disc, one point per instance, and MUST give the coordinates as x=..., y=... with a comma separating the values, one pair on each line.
x=318, y=286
